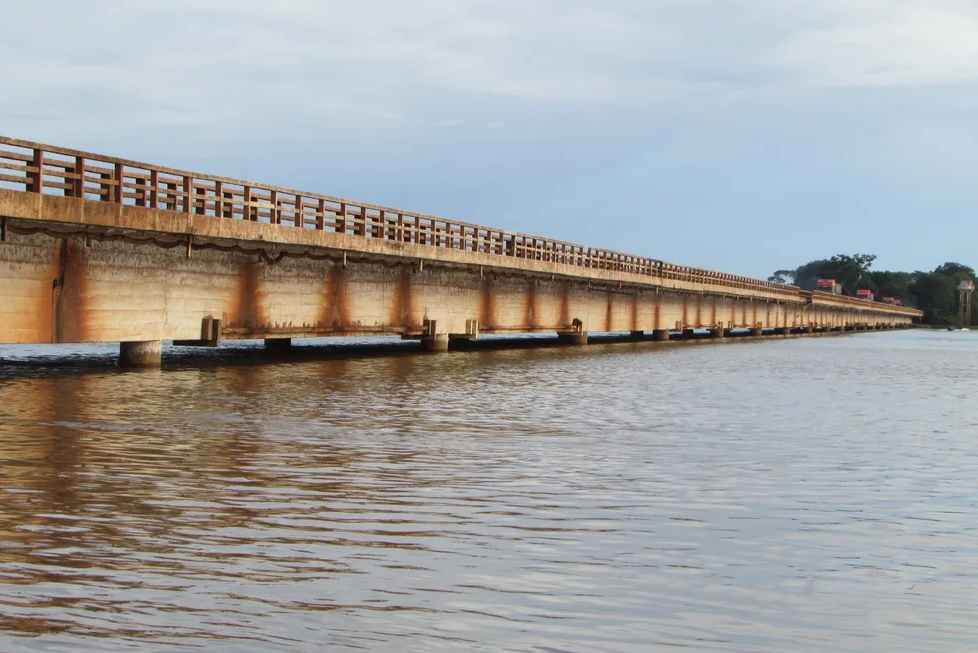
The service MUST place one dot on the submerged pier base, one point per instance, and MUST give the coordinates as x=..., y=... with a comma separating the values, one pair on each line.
x=572, y=338
x=143, y=353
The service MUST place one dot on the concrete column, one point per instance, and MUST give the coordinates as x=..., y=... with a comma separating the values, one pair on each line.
x=572, y=338
x=145, y=353
x=660, y=335
x=718, y=333
x=278, y=345
x=757, y=331
x=810, y=329
x=435, y=343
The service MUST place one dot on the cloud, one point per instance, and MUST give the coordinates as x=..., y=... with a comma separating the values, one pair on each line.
x=310, y=65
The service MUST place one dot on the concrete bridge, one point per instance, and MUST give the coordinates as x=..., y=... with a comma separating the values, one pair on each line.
x=95, y=248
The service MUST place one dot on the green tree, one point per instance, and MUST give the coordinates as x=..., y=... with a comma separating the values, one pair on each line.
x=850, y=271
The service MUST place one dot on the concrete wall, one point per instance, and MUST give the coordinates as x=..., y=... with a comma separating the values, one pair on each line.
x=116, y=288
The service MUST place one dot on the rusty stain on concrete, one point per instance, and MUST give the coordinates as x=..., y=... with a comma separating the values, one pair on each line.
x=402, y=311
x=487, y=308
x=69, y=288
x=336, y=312
x=530, y=304
x=248, y=311
x=564, y=317
x=634, y=326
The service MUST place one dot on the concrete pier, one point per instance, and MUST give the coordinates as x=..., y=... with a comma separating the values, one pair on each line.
x=146, y=353
x=435, y=343
x=660, y=335
x=578, y=339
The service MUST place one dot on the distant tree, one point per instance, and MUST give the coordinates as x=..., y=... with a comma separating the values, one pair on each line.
x=893, y=284
x=783, y=276
x=850, y=271
x=935, y=294
x=956, y=270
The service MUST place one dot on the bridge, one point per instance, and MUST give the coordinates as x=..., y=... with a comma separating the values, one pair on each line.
x=96, y=248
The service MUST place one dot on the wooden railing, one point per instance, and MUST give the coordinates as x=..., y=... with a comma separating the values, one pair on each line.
x=38, y=168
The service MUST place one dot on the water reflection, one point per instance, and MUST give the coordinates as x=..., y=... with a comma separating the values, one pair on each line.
x=792, y=495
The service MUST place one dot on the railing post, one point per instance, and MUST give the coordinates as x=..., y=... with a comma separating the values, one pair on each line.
x=219, y=199
x=276, y=216
x=36, y=178
x=298, y=219
x=341, y=219
x=154, y=189
x=117, y=189
x=78, y=189
x=321, y=216
x=188, y=198
x=400, y=227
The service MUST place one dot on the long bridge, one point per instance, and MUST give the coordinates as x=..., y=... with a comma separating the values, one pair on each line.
x=96, y=248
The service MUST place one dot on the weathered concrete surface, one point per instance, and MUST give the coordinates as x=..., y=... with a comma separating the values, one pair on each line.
x=67, y=290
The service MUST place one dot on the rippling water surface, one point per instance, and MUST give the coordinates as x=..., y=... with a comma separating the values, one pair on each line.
x=809, y=494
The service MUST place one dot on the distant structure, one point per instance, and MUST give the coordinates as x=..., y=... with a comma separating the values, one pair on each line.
x=965, y=289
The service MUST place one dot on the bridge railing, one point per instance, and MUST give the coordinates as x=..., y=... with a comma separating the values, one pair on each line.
x=38, y=168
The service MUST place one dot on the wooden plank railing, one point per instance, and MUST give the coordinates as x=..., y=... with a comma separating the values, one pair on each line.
x=38, y=168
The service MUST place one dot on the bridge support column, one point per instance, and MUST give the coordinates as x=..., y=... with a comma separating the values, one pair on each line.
x=719, y=332
x=757, y=331
x=278, y=345
x=660, y=335
x=435, y=343
x=810, y=329
x=145, y=353
x=578, y=338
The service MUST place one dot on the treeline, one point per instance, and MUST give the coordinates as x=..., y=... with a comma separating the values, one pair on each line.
x=935, y=293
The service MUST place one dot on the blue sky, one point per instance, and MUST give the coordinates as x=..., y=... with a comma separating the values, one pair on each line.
x=740, y=135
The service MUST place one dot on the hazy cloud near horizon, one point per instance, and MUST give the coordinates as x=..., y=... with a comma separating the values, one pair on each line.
x=745, y=136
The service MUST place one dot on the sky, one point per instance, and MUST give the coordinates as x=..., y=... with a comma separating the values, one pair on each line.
x=738, y=135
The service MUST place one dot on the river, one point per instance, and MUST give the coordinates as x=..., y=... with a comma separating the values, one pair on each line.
x=791, y=494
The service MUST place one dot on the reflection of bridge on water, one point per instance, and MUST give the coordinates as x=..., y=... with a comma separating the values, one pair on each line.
x=96, y=248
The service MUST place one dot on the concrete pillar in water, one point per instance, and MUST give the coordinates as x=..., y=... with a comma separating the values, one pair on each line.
x=718, y=333
x=660, y=335
x=572, y=338
x=278, y=345
x=810, y=329
x=144, y=353
x=757, y=331
x=435, y=343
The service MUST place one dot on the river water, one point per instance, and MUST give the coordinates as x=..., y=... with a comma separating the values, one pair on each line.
x=803, y=494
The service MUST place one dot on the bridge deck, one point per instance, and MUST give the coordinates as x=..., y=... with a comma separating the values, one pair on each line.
x=205, y=208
